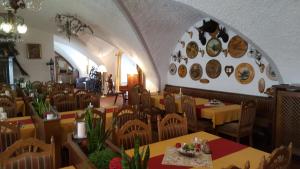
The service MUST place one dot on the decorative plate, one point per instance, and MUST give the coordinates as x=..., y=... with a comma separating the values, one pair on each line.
x=271, y=73
x=196, y=71
x=237, y=47
x=182, y=71
x=244, y=73
x=205, y=81
x=213, y=47
x=172, y=69
x=192, y=50
x=213, y=68
x=261, y=85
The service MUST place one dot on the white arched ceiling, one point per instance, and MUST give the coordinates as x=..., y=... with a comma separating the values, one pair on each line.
x=274, y=26
x=161, y=23
x=108, y=23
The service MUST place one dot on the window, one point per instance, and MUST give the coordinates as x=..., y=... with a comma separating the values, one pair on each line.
x=127, y=67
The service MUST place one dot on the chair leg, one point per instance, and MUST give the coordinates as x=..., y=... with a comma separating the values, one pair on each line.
x=251, y=140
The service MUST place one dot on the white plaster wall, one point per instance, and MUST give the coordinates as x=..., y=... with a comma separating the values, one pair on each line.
x=36, y=68
x=271, y=25
x=223, y=82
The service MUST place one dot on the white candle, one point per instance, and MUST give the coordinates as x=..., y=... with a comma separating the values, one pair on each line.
x=81, y=132
x=179, y=90
x=50, y=116
x=1, y=109
x=7, y=93
x=3, y=116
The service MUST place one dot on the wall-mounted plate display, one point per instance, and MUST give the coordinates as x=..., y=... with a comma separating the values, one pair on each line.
x=192, y=50
x=237, y=47
x=213, y=47
x=172, y=69
x=271, y=73
x=244, y=73
x=205, y=81
x=182, y=71
x=196, y=71
x=229, y=70
x=213, y=68
x=261, y=85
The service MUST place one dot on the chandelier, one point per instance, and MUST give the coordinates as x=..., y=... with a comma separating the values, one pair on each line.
x=12, y=26
x=14, y=5
x=71, y=25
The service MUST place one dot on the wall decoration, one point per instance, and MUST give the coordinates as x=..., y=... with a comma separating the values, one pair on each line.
x=244, y=73
x=257, y=56
x=223, y=35
x=196, y=71
x=261, y=85
x=202, y=52
x=182, y=71
x=190, y=33
x=213, y=47
x=34, y=51
x=182, y=43
x=237, y=47
x=172, y=69
x=229, y=70
x=213, y=68
x=271, y=74
x=205, y=81
x=225, y=51
x=208, y=26
x=179, y=57
x=192, y=50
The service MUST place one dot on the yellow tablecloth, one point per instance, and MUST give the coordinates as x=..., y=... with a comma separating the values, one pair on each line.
x=68, y=167
x=155, y=100
x=219, y=115
x=67, y=125
x=237, y=158
x=20, y=106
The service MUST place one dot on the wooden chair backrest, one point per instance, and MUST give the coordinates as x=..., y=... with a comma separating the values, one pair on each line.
x=97, y=114
x=172, y=125
x=188, y=106
x=86, y=99
x=64, y=102
x=31, y=151
x=37, y=85
x=78, y=95
x=8, y=105
x=247, y=116
x=280, y=158
x=123, y=115
x=145, y=99
x=134, y=97
x=126, y=135
x=170, y=105
x=9, y=133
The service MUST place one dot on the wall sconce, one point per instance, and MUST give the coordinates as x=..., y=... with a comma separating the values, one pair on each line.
x=182, y=43
x=178, y=57
x=190, y=33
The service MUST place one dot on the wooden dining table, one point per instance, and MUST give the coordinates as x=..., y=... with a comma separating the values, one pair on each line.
x=219, y=114
x=224, y=152
x=27, y=129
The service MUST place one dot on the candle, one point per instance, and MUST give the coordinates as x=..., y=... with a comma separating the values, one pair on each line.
x=7, y=93
x=50, y=116
x=180, y=91
x=3, y=116
x=81, y=132
x=1, y=109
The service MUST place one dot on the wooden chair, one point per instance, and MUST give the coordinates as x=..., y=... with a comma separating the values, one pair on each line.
x=37, y=85
x=78, y=94
x=247, y=166
x=123, y=115
x=126, y=135
x=9, y=133
x=244, y=126
x=86, y=99
x=100, y=115
x=30, y=153
x=134, y=97
x=188, y=106
x=280, y=158
x=170, y=105
x=172, y=125
x=145, y=100
x=64, y=102
x=8, y=105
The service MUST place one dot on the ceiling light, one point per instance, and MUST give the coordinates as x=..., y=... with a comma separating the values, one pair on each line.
x=22, y=28
x=34, y=5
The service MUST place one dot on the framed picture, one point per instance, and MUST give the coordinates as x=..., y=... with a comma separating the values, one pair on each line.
x=34, y=51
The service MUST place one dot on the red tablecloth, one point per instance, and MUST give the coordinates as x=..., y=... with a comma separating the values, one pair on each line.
x=219, y=148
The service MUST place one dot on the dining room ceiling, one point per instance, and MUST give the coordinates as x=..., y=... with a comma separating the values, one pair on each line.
x=148, y=30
